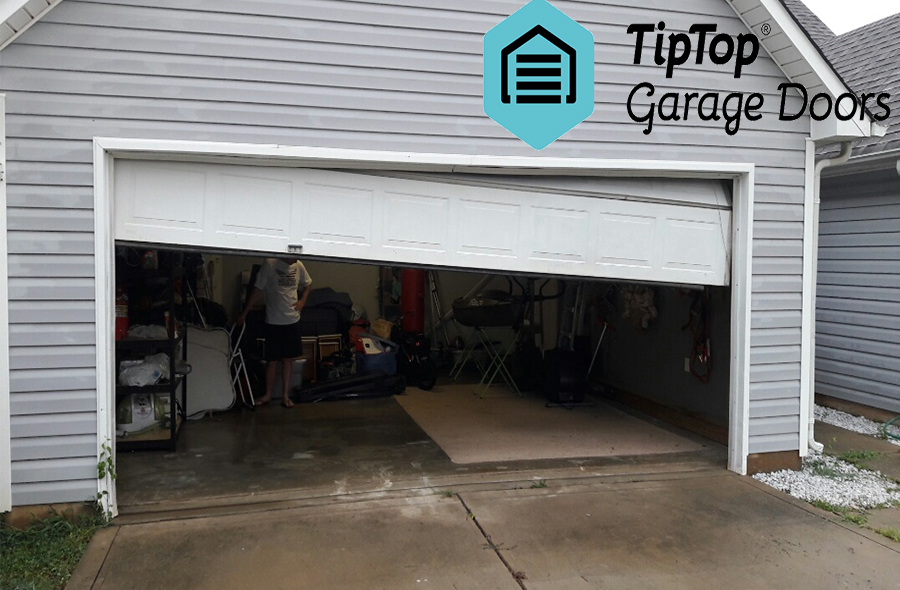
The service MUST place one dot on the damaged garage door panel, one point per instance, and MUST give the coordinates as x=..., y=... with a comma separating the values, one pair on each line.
x=667, y=231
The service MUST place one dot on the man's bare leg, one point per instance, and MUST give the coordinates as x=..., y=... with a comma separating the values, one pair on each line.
x=271, y=366
x=287, y=367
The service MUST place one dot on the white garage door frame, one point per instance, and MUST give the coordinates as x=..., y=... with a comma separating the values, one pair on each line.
x=5, y=430
x=107, y=150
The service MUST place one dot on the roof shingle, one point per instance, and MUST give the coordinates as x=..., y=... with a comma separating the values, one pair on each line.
x=868, y=60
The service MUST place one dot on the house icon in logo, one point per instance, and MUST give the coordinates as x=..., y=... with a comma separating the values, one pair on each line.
x=538, y=73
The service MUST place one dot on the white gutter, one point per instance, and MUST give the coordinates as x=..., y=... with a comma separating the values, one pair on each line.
x=846, y=148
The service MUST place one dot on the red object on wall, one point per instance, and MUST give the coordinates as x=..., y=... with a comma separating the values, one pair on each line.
x=412, y=300
x=121, y=314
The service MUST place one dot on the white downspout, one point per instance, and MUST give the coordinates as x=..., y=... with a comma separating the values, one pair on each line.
x=846, y=148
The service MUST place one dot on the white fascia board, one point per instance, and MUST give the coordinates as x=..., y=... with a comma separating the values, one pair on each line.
x=822, y=70
x=8, y=8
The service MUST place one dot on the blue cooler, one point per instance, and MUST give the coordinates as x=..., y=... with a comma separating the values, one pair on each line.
x=384, y=362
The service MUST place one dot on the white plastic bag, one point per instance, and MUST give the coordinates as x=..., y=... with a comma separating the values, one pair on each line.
x=146, y=372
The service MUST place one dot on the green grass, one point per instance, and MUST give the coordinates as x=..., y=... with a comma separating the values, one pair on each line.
x=823, y=469
x=446, y=493
x=858, y=457
x=857, y=519
x=539, y=484
x=892, y=534
x=43, y=556
x=829, y=507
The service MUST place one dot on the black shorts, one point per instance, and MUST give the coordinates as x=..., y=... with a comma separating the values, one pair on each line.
x=283, y=342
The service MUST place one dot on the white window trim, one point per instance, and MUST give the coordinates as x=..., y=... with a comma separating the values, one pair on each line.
x=106, y=150
x=5, y=395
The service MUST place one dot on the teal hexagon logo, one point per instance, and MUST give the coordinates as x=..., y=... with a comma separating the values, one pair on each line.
x=538, y=73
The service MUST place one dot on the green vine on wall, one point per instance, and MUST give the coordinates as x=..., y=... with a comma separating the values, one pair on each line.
x=106, y=471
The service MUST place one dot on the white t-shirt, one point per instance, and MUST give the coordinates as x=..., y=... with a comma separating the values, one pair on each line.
x=280, y=281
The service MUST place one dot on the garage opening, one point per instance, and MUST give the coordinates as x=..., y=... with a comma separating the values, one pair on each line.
x=628, y=277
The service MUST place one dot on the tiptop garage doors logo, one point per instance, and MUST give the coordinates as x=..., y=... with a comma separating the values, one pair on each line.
x=539, y=78
x=538, y=74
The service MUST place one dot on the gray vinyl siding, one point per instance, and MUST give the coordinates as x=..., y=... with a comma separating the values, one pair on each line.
x=402, y=76
x=858, y=300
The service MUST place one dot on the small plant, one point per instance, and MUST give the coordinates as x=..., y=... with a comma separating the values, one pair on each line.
x=446, y=493
x=822, y=505
x=858, y=457
x=539, y=484
x=106, y=470
x=892, y=534
x=821, y=468
x=857, y=519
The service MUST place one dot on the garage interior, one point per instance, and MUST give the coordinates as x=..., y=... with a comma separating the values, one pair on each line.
x=641, y=405
x=585, y=372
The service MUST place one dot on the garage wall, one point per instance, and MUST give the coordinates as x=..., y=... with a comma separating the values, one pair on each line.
x=858, y=297
x=404, y=76
x=360, y=281
x=650, y=362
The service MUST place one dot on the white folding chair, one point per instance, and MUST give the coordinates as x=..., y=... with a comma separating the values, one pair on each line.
x=239, y=368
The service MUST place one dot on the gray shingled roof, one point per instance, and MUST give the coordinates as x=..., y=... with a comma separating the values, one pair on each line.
x=868, y=60
x=809, y=22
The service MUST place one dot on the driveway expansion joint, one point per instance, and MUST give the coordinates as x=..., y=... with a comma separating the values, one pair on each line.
x=517, y=576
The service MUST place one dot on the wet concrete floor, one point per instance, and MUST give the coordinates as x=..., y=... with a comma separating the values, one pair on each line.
x=339, y=446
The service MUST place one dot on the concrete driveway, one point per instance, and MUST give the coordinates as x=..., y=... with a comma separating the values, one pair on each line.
x=697, y=530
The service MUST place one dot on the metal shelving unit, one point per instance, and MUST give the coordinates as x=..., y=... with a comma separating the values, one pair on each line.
x=165, y=439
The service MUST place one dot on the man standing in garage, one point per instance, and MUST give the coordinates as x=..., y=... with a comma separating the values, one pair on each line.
x=285, y=286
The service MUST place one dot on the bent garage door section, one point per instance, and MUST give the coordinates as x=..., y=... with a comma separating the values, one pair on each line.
x=620, y=234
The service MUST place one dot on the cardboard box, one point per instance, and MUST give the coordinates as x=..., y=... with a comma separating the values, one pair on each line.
x=311, y=356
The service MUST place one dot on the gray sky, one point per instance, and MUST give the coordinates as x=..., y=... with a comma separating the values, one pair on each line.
x=845, y=15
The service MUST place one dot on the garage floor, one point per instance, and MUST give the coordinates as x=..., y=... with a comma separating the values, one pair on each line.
x=702, y=530
x=374, y=445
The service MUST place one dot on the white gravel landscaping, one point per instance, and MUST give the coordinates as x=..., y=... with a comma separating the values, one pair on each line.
x=854, y=423
x=828, y=479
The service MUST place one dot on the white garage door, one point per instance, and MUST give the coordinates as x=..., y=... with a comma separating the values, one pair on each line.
x=652, y=230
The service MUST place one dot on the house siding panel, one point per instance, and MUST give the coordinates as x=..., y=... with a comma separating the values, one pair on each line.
x=318, y=73
x=858, y=304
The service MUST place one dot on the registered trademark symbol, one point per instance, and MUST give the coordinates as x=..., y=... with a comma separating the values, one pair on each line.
x=765, y=29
